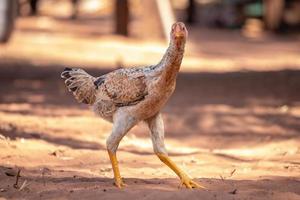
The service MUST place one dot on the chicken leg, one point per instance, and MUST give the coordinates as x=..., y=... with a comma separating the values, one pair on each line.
x=121, y=125
x=156, y=127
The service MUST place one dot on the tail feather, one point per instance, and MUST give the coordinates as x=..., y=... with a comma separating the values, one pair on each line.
x=81, y=84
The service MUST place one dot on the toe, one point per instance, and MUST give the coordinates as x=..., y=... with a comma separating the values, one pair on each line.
x=120, y=184
x=123, y=184
x=186, y=183
x=189, y=186
x=197, y=185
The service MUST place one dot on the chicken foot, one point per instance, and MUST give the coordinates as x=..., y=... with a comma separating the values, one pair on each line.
x=156, y=127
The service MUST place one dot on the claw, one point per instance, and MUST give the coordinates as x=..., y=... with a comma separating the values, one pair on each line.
x=189, y=183
x=120, y=184
x=185, y=180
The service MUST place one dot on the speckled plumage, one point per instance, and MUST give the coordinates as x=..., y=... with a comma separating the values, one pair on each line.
x=128, y=96
x=148, y=86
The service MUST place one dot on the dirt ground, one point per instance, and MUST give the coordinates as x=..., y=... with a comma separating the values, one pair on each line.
x=233, y=122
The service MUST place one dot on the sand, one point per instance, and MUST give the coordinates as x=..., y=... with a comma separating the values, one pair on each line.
x=232, y=123
x=239, y=140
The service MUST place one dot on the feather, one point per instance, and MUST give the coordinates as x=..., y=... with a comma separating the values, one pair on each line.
x=125, y=87
x=81, y=84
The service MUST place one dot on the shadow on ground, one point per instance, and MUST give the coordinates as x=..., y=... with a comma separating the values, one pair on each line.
x=74, y=185
x=233, y=106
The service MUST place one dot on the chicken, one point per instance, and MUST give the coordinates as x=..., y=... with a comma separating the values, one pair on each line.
x=128, y=96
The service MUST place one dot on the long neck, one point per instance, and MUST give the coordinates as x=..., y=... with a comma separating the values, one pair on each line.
x=171, y=61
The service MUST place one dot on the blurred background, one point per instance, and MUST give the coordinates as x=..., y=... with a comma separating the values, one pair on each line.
x=235, y=113
x=223, y=35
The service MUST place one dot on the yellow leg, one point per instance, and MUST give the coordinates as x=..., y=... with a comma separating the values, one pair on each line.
x=185, y=180
x=114, y=163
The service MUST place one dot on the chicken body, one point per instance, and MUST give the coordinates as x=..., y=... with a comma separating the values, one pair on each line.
x=139, y=92
x=128, y=96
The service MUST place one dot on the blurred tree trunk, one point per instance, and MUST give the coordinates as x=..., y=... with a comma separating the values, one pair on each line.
x=121, y=17
x=75, y=4
x=191, y=11
x=8, y=13
x=273, y=13
x=33, y=7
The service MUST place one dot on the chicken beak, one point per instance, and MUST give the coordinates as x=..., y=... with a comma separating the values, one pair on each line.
x=178, y=35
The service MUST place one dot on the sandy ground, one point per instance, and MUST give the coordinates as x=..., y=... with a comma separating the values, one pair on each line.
x=233, y=122
x=231, y=131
